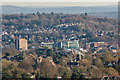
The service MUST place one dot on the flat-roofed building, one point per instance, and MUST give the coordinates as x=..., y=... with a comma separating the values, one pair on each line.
x=74, y=44
x=21, y=44
x=49, y=45
x=62, y=44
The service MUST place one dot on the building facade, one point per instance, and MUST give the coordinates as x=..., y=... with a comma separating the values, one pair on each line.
x=21, y=44
x=62, y=44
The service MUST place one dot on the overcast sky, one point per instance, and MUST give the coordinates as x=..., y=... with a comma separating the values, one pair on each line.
x=59, y=2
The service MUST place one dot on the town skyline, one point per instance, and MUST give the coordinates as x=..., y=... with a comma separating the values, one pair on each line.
x=60, y=43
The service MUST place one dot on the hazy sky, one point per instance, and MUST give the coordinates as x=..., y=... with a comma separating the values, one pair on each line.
x=59, y=0
x=59, y=3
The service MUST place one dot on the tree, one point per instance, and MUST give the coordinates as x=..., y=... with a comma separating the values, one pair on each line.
x=7, y=54
x=55, y=48
x=66, y=75
x=119, y=66
x=5, y=75
x=62, y=48
x=37, y=76
x=26, y=64
x=52, y=13
x=107, y=56
x=47, y=70
x=81, y=56
x=89, y=70
x=50, y=52
x=82, y=77
x=74, y=75
x=20, y=57
x=25, y=75
x=15, y=72
x=33, y=13
x=85, y=14
x=38, y=13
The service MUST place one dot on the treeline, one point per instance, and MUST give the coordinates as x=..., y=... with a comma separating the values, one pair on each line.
x=43, y=22
x=90, y=66
x=51, y=19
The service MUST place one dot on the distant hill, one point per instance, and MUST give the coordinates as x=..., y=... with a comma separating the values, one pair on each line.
x=97, y=11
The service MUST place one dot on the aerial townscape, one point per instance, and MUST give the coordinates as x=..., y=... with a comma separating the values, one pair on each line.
x=58, y=45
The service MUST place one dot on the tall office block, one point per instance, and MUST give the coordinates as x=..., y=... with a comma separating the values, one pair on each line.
x=21, y=44
x=60, y=45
